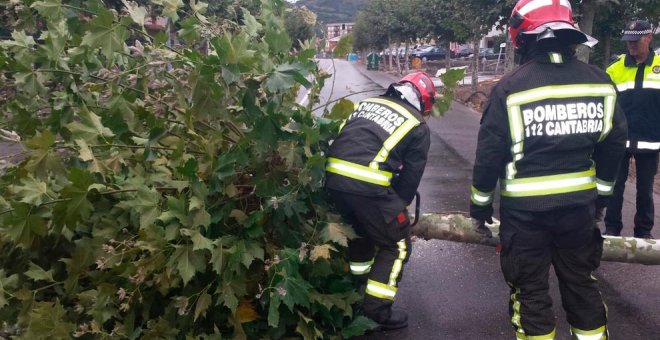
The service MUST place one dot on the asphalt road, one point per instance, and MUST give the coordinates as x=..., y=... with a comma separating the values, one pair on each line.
x=456, y=291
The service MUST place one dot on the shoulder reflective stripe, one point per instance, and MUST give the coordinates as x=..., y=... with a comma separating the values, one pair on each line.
x=380, y=290
x=398, y=134
x=608, y=116
x=549, y=185
x=481, y=198
x=359, y=172
x=556, y=58
x=560, y=91
x=393, y=140
x=648, y=146
x=604, y=187
x=398, y=263
x=599, y=333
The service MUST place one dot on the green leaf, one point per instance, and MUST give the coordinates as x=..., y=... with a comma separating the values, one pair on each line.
x=227, y=297
x=202, y=305
x=188, y=262
x=78, y=208
x=293, y=291
x=198, y=240
x=37, y=273
x=278, y=40
x=146, y=203
x=50, y=9
x=252, y=26
x=106, y=34
x=341, y=110
x=43, y=159
x=359, y=326
x=89, y=127
x=31, y=191
x=337, y=233
x=250, y=251
x=6, y=284
x=286, y=76
x=137, y=13
x=170, y=8
x=48, y=321
x=30, y=82
x=274, y=310
x=23, y=226
x=307, y=329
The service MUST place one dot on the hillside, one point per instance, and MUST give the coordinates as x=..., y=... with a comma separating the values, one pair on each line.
x=329, y=11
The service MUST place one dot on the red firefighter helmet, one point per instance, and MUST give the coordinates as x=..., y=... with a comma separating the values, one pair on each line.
x=547, y=17
x=424, y=85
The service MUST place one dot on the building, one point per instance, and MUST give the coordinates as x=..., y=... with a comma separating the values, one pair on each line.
x=334, y=32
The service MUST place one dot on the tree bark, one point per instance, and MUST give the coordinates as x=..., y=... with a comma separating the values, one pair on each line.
x=457, y=227
x=586, y=26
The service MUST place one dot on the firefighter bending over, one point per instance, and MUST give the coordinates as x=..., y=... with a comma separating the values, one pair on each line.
x=553, y=135
x=374, y=168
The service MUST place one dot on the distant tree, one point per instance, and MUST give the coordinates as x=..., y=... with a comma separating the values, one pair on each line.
x=299, y=23
x=344, y=46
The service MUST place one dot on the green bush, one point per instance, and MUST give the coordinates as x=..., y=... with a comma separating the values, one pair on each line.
x=164, y=192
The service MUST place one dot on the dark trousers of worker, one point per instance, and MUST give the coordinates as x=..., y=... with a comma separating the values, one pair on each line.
x=567, y=239
x=383, y=228
x=646, y=165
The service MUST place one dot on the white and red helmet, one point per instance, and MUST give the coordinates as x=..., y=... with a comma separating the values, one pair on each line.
x=546, y=18
x=424, y=85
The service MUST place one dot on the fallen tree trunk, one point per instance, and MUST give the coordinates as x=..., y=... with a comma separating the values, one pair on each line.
x=458, y=227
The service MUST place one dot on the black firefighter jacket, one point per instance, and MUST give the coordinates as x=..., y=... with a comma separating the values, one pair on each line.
x=383, y=145
x=552, y=134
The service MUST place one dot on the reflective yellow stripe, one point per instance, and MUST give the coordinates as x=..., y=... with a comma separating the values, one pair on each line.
x=360, y=268
x=604, y=187
x=359, y=172
x=549, y=185
x=380, y=290
x=549, y=336
x=398, y=134
x=398, y=263
x=515, y=318
x=599, y=333
x=517, y=137
x=481, y=198
x=560, y=91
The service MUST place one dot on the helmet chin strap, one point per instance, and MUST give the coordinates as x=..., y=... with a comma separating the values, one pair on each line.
x=408, y=93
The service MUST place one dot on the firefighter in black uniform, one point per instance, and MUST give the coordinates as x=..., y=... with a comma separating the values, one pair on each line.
x=637, y=77
x=374, y=168
x=553, y=135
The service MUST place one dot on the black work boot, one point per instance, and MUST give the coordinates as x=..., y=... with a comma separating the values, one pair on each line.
x=398, y=319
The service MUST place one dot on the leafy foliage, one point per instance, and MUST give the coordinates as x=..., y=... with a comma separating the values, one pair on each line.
x=166, y=193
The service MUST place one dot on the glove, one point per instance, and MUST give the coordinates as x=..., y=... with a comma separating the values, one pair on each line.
x=483, y=213
x=480, y=227
x=601, y=204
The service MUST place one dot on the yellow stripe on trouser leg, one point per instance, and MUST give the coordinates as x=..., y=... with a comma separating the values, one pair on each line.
x=361, y=268
x=380, y=290
x=549, y=336
x=398, y=263
x=599, y=333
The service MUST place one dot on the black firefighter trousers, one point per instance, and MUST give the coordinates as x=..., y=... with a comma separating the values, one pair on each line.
x=569, y=240
x=383, y=247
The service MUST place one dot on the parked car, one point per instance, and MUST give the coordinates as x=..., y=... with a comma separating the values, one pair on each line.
x=489, y=53
x=464, y=52
x=432, y=53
